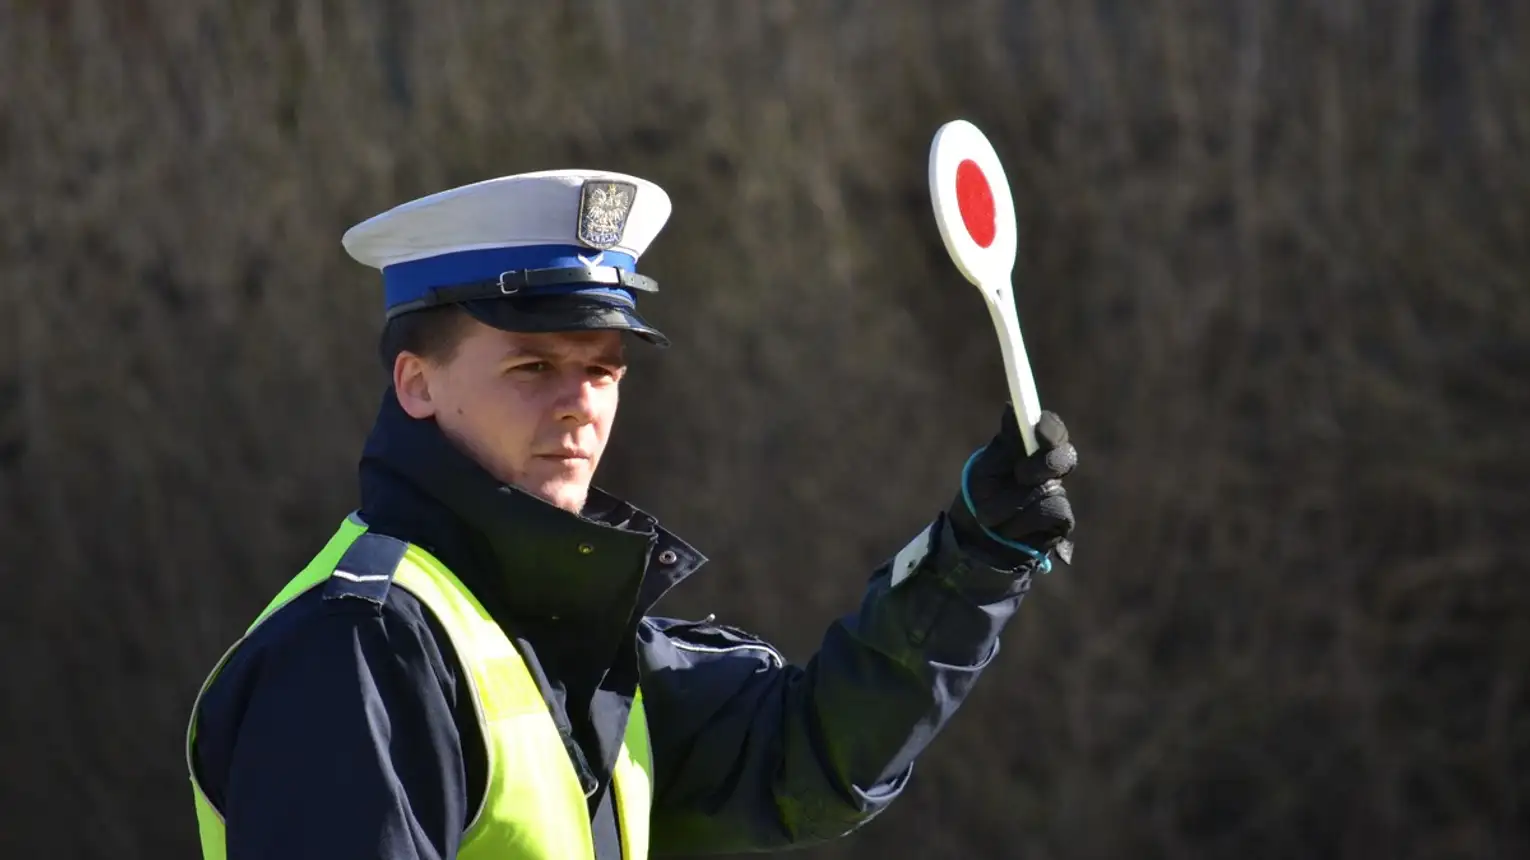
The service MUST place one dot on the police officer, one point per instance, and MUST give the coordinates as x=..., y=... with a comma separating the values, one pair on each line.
x=468, y=667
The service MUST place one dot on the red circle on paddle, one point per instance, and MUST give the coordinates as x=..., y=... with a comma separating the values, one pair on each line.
x=974, y=198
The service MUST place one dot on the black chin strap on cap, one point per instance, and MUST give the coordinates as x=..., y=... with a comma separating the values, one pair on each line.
x=535, y=283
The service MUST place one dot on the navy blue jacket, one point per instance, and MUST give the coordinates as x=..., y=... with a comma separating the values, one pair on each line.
x=343, y=727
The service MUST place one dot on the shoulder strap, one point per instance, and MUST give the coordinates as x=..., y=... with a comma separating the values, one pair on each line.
x=366, y=569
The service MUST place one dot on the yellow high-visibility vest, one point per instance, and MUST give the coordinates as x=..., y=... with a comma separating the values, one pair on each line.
x=533, y=805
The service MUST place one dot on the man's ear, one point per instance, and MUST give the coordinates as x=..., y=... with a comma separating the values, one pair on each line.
x=411, y=383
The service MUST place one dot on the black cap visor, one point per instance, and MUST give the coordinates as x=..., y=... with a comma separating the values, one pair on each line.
x=562, y=313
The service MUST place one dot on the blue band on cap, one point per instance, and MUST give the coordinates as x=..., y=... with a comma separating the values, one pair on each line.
x=412, y=281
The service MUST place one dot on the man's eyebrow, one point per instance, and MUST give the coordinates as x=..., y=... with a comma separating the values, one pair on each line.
x=528, y=352
x=613, y=358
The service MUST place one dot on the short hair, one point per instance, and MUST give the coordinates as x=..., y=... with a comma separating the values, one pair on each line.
x=432, y=333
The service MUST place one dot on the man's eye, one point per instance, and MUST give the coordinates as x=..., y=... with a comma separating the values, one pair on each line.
x=599, y=372
x=533, y=367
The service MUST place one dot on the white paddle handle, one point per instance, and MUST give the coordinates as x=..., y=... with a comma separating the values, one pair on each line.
x=1017, y=365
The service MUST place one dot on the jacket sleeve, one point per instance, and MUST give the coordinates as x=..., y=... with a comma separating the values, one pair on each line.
x=336, y=740
x=751, y=753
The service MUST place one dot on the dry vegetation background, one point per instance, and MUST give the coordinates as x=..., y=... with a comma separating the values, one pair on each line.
x=1272, y=274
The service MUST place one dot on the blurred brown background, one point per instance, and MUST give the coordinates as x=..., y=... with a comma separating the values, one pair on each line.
x=1272, y=274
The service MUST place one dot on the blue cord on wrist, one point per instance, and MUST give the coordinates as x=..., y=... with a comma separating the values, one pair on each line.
x=1046, y=563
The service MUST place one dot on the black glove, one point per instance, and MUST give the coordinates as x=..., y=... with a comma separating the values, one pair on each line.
x=1019, y=498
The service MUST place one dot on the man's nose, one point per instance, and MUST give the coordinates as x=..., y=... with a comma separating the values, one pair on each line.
x=576, y=398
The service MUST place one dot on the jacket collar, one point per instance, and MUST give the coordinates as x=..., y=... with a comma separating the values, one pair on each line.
x=539, y=560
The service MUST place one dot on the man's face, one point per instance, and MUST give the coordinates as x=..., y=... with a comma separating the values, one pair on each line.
x=534, y=410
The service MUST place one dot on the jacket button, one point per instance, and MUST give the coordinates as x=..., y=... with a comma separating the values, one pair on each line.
x=668, y=557
x=585, y=549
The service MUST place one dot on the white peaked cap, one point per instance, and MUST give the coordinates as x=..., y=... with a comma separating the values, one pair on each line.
x=526, y=209
x=571, y=237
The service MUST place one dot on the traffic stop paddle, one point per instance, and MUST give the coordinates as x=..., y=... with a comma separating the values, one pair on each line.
x=976, y=215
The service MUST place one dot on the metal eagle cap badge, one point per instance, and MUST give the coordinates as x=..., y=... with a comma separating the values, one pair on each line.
x=603, y=209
